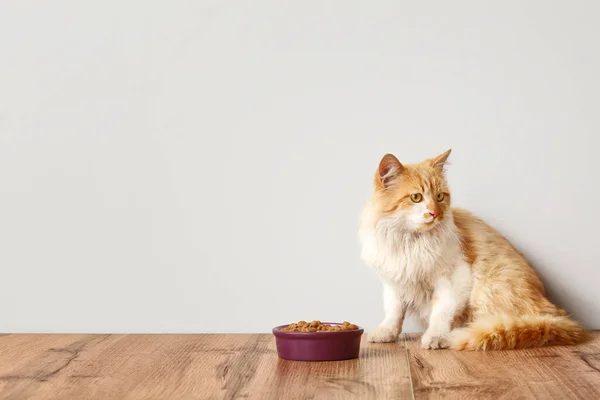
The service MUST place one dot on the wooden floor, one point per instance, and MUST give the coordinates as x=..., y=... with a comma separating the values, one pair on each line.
x=247, y=366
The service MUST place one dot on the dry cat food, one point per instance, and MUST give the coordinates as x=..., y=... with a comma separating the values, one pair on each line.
x=318, y=326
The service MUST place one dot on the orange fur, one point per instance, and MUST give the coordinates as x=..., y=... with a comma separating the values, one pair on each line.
x=391, y=195
x=500, y=332
x=507, y=307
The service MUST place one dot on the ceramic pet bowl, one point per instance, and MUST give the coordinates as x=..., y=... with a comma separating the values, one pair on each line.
x=318, y=346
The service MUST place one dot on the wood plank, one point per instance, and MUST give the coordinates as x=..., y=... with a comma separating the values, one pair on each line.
x=380, y=372
x=189, y=367
x=125, y=366
x=547, y=373
x=247, y=366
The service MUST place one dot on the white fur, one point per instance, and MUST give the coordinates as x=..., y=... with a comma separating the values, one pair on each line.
x=416, y=266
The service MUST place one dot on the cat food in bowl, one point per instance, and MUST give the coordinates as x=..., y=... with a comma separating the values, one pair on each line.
x=317, y=341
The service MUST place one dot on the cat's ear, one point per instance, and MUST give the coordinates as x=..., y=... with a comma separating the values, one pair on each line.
x=439, y=161
x=388, y=171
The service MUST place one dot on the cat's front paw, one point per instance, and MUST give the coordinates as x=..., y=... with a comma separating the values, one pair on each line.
x=383, y=334
x=435, y=341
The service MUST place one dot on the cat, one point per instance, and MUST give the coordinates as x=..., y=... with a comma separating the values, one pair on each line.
x=466, y=283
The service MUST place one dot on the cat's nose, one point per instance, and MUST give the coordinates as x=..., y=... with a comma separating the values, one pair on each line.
x=434, y=214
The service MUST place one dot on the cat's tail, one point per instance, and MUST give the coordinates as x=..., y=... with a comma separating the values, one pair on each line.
x=503, y=332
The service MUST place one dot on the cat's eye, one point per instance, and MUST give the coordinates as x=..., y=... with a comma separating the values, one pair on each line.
x=416, y=198
x=440, y=196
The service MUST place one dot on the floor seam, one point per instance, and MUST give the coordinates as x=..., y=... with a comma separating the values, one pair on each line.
x=412, y=390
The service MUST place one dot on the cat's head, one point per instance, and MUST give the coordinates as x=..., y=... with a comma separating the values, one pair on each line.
x=414, y=197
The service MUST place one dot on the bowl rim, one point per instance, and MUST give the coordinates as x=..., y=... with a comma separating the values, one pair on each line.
x=278, y=332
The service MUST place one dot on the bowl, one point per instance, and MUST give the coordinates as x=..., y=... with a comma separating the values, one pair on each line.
x=318, y=346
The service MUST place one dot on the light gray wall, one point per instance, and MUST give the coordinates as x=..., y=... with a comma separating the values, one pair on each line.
x=200, y=166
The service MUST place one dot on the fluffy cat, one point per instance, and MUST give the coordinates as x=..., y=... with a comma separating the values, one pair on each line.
x=467, y=283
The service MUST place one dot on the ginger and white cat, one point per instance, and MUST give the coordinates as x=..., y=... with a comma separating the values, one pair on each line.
x=467, y=283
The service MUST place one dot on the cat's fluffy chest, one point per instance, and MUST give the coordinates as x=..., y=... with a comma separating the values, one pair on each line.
x=412, y=263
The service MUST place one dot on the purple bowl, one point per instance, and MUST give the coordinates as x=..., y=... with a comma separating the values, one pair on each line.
x=318, y=346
